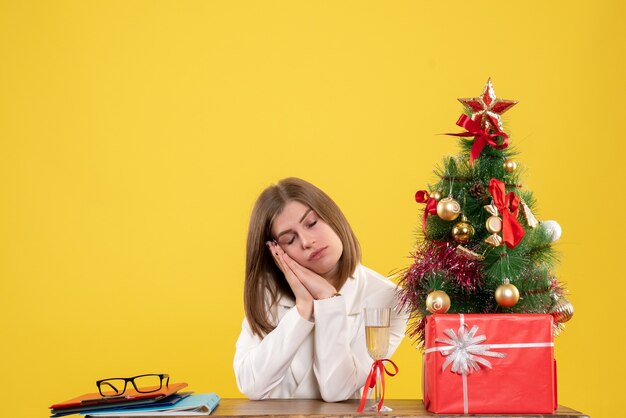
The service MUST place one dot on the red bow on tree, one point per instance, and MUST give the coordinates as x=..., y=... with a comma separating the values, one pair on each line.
x=482, y=136
x=507, y=204
x=378, y=368
x=422, y=196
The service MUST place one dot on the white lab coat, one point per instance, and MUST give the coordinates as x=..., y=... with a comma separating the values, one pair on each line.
x=325, y=358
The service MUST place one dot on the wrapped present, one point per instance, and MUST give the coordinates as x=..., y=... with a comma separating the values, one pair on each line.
x=489, y=363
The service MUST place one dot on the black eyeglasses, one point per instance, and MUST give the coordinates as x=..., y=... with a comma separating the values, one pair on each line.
x=143, y=383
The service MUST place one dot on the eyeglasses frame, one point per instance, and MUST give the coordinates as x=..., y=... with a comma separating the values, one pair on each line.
x=162, y=376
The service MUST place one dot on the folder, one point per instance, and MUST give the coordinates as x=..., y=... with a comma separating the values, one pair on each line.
x=193, y=405
x=131, y=397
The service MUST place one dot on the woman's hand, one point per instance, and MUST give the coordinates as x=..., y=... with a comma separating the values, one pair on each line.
x=318, y=287
x=304, y=299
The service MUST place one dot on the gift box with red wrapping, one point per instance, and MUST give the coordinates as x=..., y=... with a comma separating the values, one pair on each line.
x=489, y=363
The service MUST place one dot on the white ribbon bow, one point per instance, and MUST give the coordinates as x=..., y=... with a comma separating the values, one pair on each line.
x=464, y=350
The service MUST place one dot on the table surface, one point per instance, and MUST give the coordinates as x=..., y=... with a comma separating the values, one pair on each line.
x=316, y=408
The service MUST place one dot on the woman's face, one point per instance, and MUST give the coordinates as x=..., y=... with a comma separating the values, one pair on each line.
x=307, y=239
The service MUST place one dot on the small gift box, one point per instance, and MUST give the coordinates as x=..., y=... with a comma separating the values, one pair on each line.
x=489, y=363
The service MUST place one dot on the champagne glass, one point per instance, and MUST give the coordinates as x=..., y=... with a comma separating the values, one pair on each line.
x=377, y=321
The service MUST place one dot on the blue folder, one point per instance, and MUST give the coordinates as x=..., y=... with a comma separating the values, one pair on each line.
x=201, y=405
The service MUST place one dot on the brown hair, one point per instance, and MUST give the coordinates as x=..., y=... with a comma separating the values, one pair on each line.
x=263, y=278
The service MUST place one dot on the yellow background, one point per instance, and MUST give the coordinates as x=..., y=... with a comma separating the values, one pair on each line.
x=135, y=137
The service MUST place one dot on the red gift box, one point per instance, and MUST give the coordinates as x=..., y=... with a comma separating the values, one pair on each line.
x=483, y=364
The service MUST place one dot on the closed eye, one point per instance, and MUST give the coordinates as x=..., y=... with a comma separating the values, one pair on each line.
x=287, y=239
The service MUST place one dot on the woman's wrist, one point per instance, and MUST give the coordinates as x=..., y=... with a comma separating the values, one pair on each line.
x=305, y=309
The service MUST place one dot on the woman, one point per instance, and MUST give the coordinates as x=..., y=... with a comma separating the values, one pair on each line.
x=305, y=291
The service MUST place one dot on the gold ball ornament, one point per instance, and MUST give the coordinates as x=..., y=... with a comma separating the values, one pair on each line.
x=507, y=294
x=448, y=209
x=509, y=166
x=562, y=311
x=436, y=195
x=438, y=301
x=463, y=232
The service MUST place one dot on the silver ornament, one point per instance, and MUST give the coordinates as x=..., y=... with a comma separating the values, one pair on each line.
x=553, y=229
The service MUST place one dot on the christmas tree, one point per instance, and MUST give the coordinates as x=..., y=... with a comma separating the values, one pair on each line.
x=480, y=248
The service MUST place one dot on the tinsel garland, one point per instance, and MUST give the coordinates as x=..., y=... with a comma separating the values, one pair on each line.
x=442, y=266
x=436, y=266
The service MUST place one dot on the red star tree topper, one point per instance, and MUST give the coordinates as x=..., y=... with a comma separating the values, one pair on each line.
x=487, y=108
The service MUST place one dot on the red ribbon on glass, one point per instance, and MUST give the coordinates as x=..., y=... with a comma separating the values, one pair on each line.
x=377, y=368
x=508, y=205
x=482, y=136
x=422, y=196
